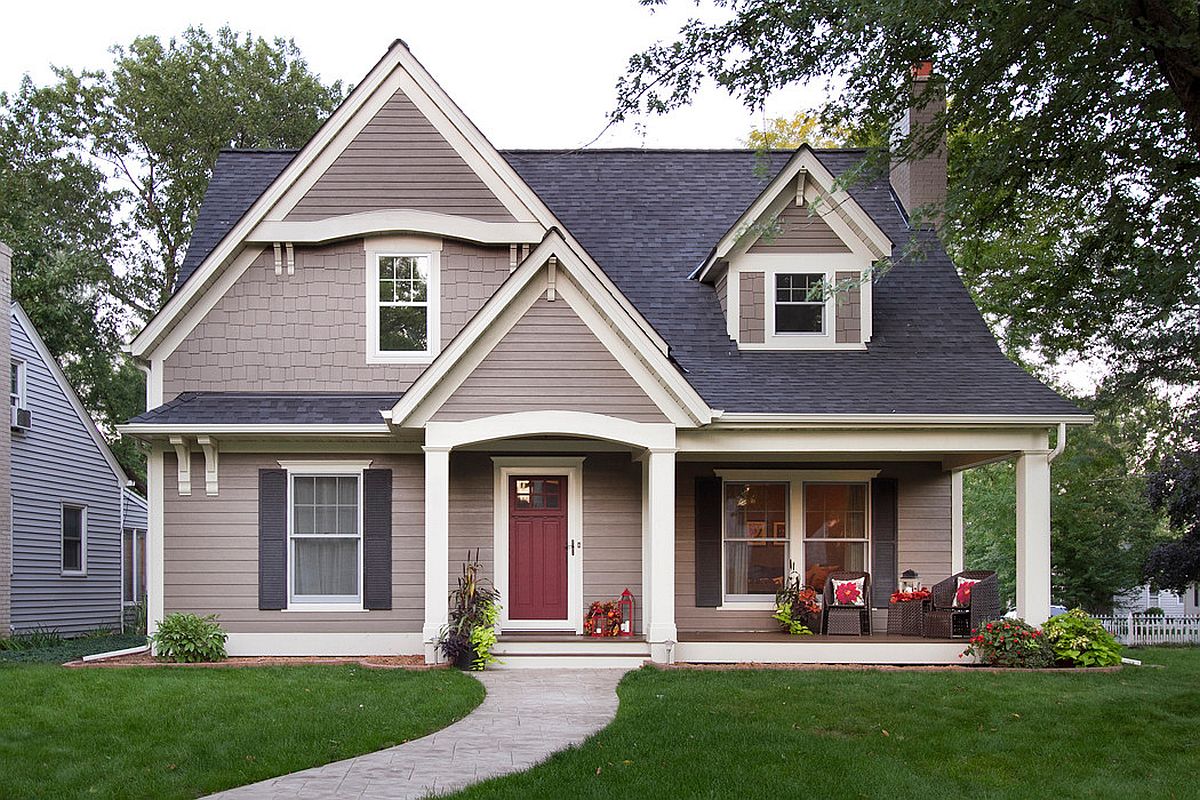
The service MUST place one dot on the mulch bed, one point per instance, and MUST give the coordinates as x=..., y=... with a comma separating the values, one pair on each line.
x=882, y=667
x=371, y=662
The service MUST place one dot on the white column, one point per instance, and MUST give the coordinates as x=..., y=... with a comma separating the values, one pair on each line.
x=437, y=546
x=661, y=566
x=155, y=489
x=956, y=521
x=647, y=599
x=1033, y=536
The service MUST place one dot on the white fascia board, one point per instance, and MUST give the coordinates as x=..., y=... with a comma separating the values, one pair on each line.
x=145, y=430
x=407, y=220
x=806, y=160
x=741, y=420
x=22, y=319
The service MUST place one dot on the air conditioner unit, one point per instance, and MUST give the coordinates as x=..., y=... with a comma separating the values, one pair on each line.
x=22, y=418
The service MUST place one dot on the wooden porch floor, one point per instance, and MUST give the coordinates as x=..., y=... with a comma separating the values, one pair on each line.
x=779, y=637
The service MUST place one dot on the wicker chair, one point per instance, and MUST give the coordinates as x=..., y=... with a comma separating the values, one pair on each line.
x=941, y=615
x=851, y=620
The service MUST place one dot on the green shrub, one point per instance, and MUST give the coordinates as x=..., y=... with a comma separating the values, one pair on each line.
x=1080, y=640
x=1011, y=643
x=189, y=638
x=33, y=639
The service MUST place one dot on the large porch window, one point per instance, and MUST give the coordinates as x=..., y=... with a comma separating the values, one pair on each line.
x=835, y=530
x=756, y=539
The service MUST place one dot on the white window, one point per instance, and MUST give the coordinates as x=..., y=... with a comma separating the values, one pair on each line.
x=800, y=300
x=74, y=540
x=325, y=538
x=403, y=306
x=755, y=539
x=17, y=386
x=133, y=549
x=835, y=530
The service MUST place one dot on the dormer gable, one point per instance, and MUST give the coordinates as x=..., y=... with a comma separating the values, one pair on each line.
x=794, y=272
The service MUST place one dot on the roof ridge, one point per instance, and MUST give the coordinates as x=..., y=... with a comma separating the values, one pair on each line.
x=581, y=150
x=292, y=150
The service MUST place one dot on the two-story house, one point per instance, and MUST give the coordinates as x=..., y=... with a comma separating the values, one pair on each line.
x=601, y=369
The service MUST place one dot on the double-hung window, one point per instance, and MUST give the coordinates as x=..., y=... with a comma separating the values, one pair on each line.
x=403, y=318
x=326, y=539
x=755, y=539
x=74, y=540
x=835, y=530
x=800, y=302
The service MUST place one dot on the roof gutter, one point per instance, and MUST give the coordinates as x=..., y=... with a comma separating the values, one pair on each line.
x=753, y=420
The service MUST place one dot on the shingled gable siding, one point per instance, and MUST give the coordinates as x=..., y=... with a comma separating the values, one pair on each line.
x=307, y=331
x=550, y=360
x=923, y=535
x=612, y=521
x=848, y=316
x=210, y=550
x=399, y=160
x=800, y=233
x=752, y=312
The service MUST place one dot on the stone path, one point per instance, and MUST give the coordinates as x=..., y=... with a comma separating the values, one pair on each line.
x=526, y=716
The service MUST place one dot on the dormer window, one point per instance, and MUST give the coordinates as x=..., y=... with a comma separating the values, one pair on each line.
x=402, y=302
x=799, y=303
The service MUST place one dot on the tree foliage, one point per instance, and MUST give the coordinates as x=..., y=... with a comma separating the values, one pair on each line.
x=803, y=127
x=1075, y=127
x=1174, y=488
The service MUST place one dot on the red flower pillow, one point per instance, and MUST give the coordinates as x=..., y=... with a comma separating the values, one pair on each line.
x=962, y=597
x=848, y=593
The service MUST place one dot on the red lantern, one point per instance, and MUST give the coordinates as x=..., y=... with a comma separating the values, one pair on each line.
x=626, y=605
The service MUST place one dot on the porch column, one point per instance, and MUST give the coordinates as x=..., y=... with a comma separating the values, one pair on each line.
x=437, y=546
x=155, y=570
x=660, y=566
x=956, y=521
x=1033, y=536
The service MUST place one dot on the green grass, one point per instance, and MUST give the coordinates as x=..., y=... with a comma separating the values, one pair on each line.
x=888, y=735
x=166, y=732
x=48, y=648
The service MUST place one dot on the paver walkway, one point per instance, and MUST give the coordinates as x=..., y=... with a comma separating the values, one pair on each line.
x=526, y=716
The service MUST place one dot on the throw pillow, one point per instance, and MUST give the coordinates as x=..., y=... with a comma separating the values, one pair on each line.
x=962, y=597
x=849, y=593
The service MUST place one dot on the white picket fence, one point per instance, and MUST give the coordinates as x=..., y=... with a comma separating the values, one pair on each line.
x=1137, y=630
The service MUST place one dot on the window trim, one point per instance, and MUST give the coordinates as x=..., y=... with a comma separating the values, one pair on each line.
x=137, y=538
x=752, y=600
x=323, y=469
x=865, y=541
x=83, y=540
x=19, y=393
x=825, y=304
x=796, y=479
x=401, y=247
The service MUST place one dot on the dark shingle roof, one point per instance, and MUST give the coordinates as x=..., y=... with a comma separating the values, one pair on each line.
x=233, y=408
x=650, y=217
x=239, y=178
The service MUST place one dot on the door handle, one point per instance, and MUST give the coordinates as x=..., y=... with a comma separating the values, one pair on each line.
x=572, y=547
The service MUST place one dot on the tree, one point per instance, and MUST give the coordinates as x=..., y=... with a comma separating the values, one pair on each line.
x=803, y=127
x=1101, y=525
x=1075, y=127
x=1174, y=488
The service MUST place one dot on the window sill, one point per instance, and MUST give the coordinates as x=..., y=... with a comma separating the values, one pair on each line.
x=73, y=574
x=325, y=608
x=419, y=359
x=747, y=605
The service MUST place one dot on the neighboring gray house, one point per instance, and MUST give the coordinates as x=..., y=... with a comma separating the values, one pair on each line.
x=61, y=562
x=1172, y=604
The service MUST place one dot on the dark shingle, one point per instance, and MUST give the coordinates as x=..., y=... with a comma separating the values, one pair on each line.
x=251, y=408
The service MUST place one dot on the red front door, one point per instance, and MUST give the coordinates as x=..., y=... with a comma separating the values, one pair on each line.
x=537, y=548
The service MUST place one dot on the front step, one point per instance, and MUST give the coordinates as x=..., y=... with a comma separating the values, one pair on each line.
x=558, y=652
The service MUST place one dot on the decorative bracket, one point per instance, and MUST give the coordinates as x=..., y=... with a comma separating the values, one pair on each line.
x=291, y=259
x=209, y=446
x=183, y=455
x=801, y=180
x=551, y=277
x=278, y=258
x=512, y=257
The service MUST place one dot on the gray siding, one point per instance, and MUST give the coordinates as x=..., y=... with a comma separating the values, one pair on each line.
x=57, y=462
x=752, y=312
x=211, y=550
x=550, y=360
x=399, y=160
x=307, y=331
x=923, y=532
x=800, y=232
x=847, y=309
x=612, y=522
x=136, y=514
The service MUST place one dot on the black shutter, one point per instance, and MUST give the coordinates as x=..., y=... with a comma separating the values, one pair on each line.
x=708, y=542
x=884, y=522
x=377, y=539
x=272, y=539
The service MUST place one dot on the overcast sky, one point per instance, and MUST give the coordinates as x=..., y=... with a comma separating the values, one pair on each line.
x=529, y=73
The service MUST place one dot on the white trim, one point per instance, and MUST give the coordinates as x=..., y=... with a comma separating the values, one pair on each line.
x=404, y=220
x=734, y=419
x=437, y=547
x=324, y=467
x=155, y=497
x=183, y=464
x=22, y=388
x=302, y=607
x=571, y=468
x=68, y=391
x=550, y=423
x=83, y=539
x=840, y=442
x=405, y=247
x=660, y=501
x=304, y=469
x=956, y=521
x=798, y=475
x=322, y=644
x=853, y=650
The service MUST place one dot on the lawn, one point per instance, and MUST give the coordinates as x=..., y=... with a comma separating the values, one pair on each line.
x=166, y=732
x=869, y=734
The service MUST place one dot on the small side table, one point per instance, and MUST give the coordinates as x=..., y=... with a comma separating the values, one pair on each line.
x=905, y=619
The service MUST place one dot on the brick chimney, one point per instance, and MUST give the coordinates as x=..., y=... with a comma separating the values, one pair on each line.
x=920, y=181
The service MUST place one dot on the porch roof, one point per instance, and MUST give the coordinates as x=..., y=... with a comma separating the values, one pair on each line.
x=266, y=408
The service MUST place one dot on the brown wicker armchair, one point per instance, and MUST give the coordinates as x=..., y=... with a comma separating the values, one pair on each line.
x=943, y=620
x=840, y=619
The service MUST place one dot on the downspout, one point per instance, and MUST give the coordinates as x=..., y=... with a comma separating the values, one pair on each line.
x=1060, y=443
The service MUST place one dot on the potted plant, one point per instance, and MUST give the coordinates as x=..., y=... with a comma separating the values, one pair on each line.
x=470, y=635
x=797, y=607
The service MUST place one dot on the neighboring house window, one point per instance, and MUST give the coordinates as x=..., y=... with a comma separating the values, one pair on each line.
x=133, y=548
x=799, y=302
x=326, y=539
x=74, y=540
x=1153, y=598
x=755, y=539
x=17, y=390
x=835, y=530
x=404, y=319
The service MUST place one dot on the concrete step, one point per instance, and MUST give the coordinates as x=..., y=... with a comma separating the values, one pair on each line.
x=577, y=661
x=571, y=647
